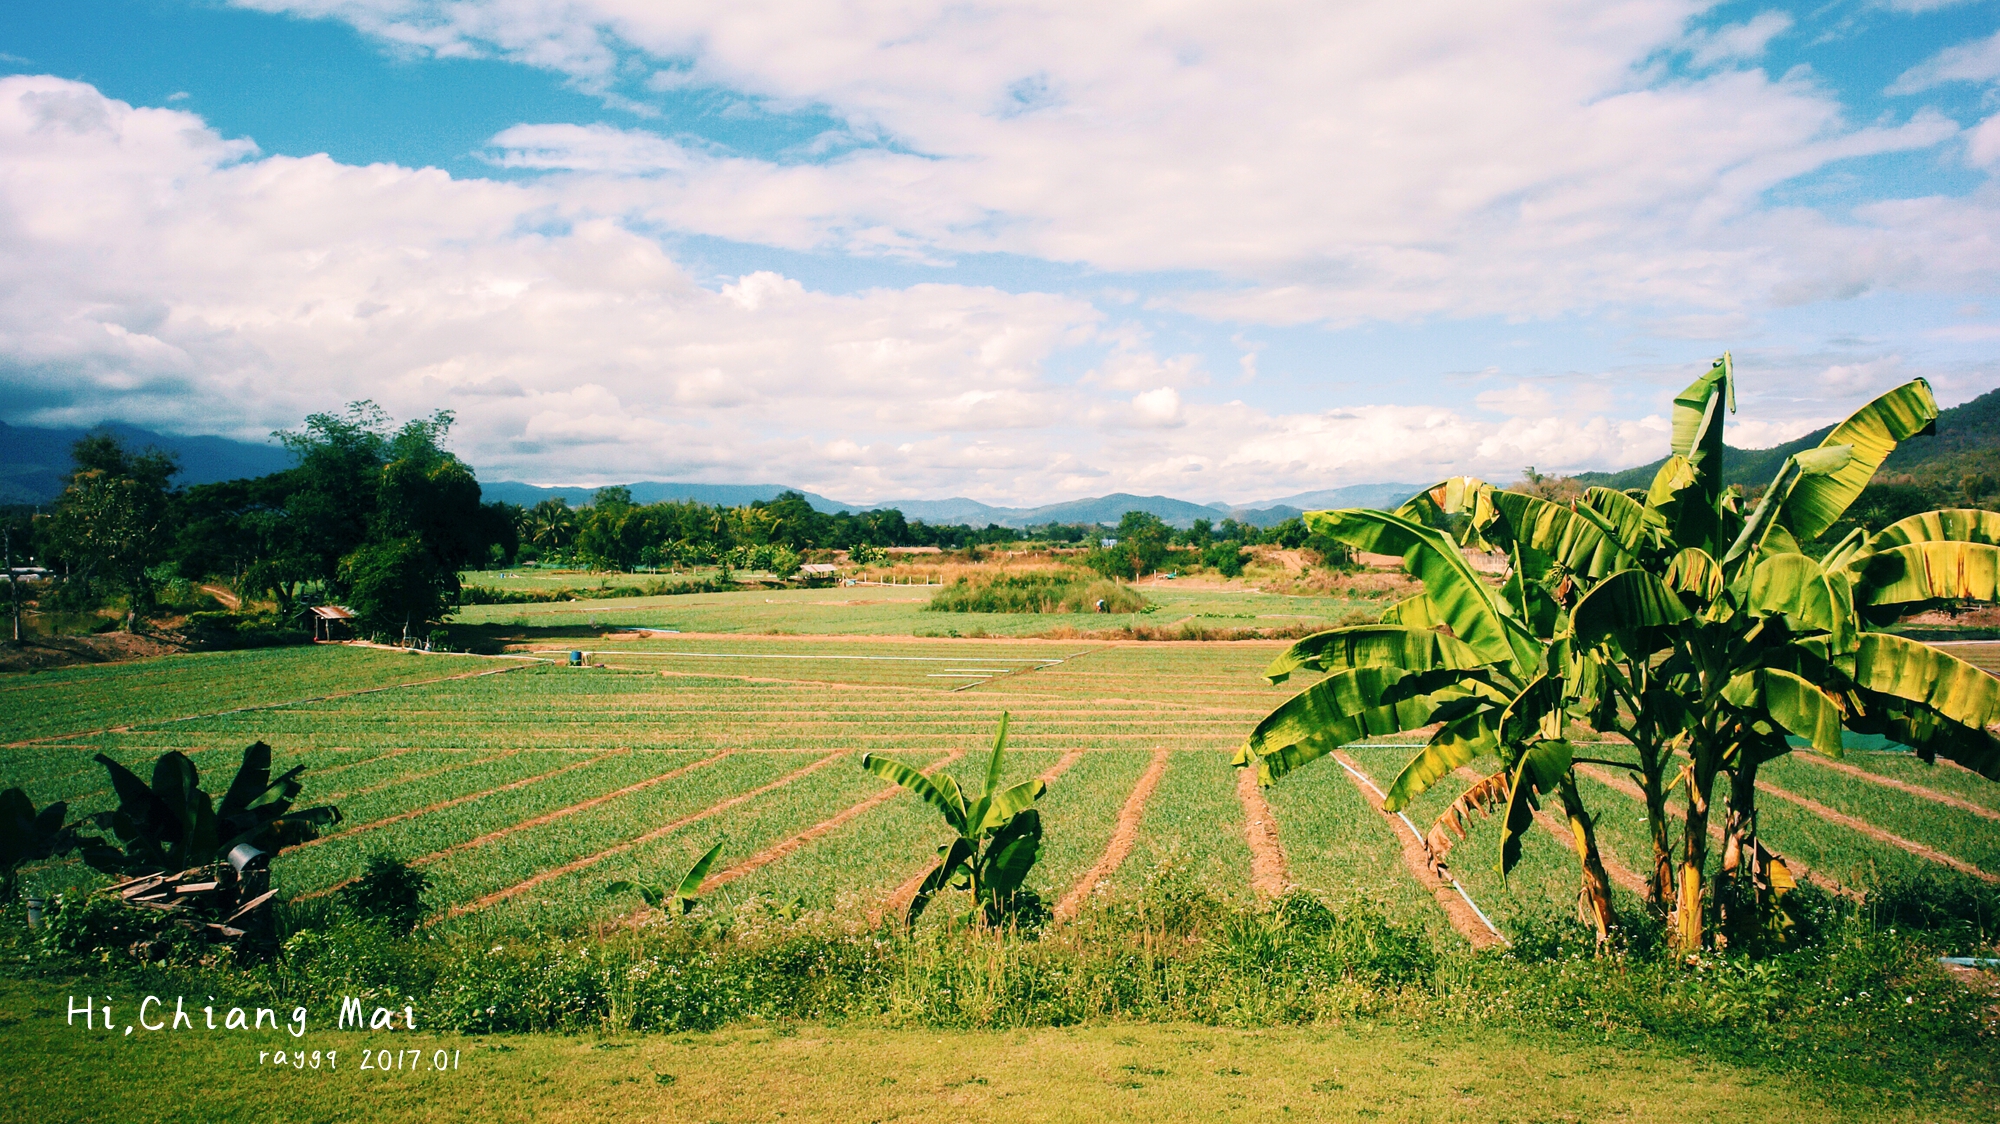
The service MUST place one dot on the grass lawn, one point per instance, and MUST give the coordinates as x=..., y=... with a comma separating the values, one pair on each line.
x=1356, y=1071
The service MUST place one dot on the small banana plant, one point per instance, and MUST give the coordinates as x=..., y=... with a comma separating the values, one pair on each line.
x=999, y=834
x=682, y=897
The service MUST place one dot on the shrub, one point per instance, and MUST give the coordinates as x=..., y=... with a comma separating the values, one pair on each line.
x=391, y=892
x=1045, y=591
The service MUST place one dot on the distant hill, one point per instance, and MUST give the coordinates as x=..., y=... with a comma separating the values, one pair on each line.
x=1967, y=435
x=33, y=461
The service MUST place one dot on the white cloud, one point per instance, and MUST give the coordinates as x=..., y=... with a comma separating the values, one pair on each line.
x=1737, y=41
x=1975, y=61
x=1982, y=144
x=1380, y=159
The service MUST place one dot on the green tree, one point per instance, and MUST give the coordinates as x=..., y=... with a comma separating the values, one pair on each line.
x=397, y=585
x=111, y=521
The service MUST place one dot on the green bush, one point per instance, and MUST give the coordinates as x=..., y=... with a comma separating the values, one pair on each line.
x=1039, y=592
x=390, y=892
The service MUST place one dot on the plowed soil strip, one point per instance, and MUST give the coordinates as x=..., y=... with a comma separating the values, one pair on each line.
x=1877, y=834
x=1797, y=866
x=581, y=806
x=1944, y=798
x=454, y=802
x=1458, y=909
x=1269, y=875
x=271, y=706
x=1122, y=838
x=522, y=887
x=1617, y=871
x=899, y=898
x=772, y=854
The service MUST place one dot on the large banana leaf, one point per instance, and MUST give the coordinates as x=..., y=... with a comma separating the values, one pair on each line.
x=1460, y=741
x=1012, y=854
x=1949, y=525
x=1626, y=516
x=1764, y=519
x=1009, y=803
x=1931, y=734
x=1622, y=605
x=1694, y=572
x=1459, y=599
x=1539, y=771
x=1795, y=586
x=1373, y=645
x=893, y=770
x=1414, y=611
x=1791, y=702
x=1580, y=543
x=1873, y=431
x=1339, y=709
x=1905, y=669
x=1925, y=571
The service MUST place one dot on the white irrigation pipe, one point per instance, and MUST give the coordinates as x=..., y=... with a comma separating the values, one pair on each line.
x=1380, y=795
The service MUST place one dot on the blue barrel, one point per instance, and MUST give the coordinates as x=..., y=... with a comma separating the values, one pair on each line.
x=576, y=659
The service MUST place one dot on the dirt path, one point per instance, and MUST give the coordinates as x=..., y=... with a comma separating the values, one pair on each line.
x=1417, y=860
x=1797, y=866
x=1944, y=798
x=1269, y=874
x=1877, y=834
x=1617, y=871
x=271, y=706
x=1122, y=838
x=772, y=854
x=222, y=593
x=525, y=885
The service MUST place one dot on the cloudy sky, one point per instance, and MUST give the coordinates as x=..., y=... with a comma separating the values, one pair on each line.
x=1022, y=252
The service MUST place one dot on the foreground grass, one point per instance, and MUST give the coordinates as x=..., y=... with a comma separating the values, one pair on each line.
x=1357, y=1070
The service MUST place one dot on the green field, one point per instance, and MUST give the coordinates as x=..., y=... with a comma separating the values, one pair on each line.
x=873, y=610
x=523, y=791
x=521, y=787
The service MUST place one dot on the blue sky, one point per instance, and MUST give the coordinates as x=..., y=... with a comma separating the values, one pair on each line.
x=1020, y=252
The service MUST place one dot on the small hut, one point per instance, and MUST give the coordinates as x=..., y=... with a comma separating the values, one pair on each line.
x=326, y=618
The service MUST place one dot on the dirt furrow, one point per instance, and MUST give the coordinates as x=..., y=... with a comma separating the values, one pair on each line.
x=1122, y=837
x=1269, y=874
x=1798, y=867
x=1879, y=835
x=1932, y=794
x=772, y=854
x=1417, y=860
x=454, y=802
x=530, y=883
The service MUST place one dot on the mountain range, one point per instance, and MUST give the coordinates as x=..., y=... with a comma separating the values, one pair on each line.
x=33, y=461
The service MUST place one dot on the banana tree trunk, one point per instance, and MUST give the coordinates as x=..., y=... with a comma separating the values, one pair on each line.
x=1594, y=899
x=1689, y=924
x=1660, y=887
x=1740, y=885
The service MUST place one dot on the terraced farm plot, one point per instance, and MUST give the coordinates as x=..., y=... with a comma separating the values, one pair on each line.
x=523, y=794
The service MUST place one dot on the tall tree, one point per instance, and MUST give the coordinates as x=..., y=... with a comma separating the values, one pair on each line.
x=110, y=523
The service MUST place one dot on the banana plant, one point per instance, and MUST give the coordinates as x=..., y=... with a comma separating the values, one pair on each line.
x=1675, y=617
x=998, y=834
x=684, y=895
x=28, y=836
x=1486, y=666
x=172, y=824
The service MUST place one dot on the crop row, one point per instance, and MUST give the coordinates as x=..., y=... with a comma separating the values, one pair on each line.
x=74, y=700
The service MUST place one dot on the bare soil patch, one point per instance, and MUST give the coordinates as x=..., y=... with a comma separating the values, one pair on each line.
x=68, y=651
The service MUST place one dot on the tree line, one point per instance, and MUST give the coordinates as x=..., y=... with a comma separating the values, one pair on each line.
x=382, y=518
